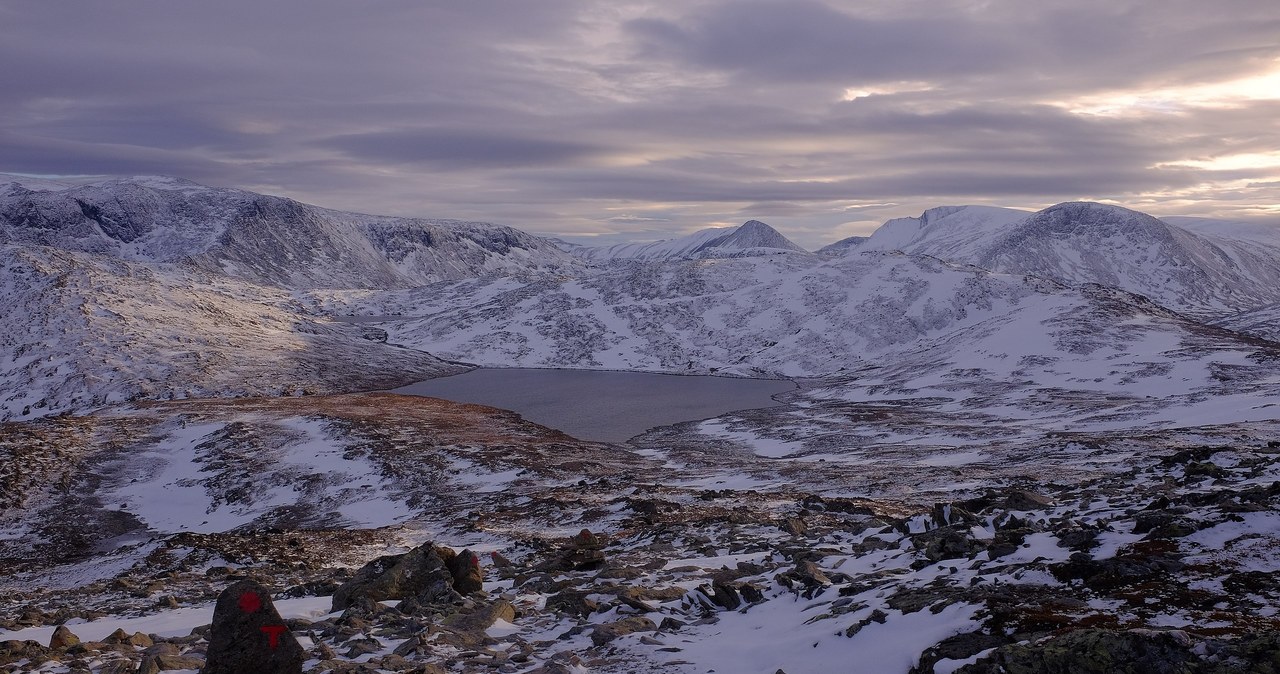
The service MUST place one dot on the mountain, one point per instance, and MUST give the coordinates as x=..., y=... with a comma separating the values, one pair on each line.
x=842, y=246
x=751, y=238
x=1005, y=349
x=946, y=232
x=82, y=331
x=263, y=239
x=1082, y=242
x=1211, y=271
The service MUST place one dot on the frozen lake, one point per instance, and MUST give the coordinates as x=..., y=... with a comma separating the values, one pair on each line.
x=600, y=405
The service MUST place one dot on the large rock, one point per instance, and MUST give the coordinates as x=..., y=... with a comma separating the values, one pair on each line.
x=468, y=575
x=422, y=573
x=248, y=635
x=63, y=638
x=603, y=634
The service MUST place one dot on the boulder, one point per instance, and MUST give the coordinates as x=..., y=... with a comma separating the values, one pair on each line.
x=573, y=603
x=63, y=638
x=468, y=575
x=422, y=573
x=603, y=634
x=248, y=635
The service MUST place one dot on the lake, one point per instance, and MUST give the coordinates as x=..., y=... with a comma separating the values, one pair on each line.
x=602, y=405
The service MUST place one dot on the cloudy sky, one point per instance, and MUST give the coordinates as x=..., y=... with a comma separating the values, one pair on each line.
x=628, y=119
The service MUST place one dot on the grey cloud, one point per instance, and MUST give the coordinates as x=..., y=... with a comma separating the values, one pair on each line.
x=558, y=115
x=461, y=148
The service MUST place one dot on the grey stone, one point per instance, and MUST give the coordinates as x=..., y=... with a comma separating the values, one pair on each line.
x=239, y=643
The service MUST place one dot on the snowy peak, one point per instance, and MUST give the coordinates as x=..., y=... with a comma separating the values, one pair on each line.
x=843, y=245
x=263, y=239
x=755, y=234
x=750, y=238
x=948, y=232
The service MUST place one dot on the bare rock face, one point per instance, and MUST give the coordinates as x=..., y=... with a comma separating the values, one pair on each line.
x=248, y=635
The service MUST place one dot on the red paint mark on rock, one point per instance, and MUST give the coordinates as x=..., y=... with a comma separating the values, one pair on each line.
x=250, y=602
x=273, y=634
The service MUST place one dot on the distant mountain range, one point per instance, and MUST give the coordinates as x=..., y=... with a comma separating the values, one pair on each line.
x=1207, y=268
x=160, y=288
x=262, y=239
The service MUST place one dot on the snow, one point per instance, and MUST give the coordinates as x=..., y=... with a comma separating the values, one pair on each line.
x=773, y=636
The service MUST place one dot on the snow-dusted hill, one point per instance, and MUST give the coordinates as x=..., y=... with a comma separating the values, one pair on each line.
x=263, y=239
x=751, y=238
x=81, y=331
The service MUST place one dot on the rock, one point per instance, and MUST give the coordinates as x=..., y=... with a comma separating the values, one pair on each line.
x=359, y=647
x=162, y=649
x=170, y=662
x=117, y=637
x=583, y=560
x=877, y=616
x=572, y=603
x=603, y=634
x=119, y=667
x=499, y=561
x=482, y=617
x=670, y=624
x=952, y=542
x=422, y=573
x=1095, y=651
x=751, y=593
x=794, y=526
x=1020, y=499
x=63, y=638
x=13, y=650
x=585, y=540
x=722, y=595
x=167, y=601
x=248, y=635
x=468, y=575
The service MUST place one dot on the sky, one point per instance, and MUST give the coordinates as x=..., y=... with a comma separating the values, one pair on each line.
x=638, y=120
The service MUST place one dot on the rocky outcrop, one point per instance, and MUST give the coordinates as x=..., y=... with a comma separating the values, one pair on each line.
x=429, y=574
x=1139, y=651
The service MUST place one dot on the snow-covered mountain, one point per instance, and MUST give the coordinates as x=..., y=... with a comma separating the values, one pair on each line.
x=842, y=246
x=947, y=232
x=263, y=239
x=1081, y=242
x=81, y=331
x=751, y=238
x=881, y=326
x=1209, y=269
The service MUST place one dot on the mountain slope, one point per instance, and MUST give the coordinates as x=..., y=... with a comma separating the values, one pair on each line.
x=752, y=237
x=263, y=239
x=82, y=331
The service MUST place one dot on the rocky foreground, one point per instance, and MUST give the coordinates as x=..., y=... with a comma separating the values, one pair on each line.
x=546, y=554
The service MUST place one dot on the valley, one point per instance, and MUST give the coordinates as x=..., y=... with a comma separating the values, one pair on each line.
x=982, y=440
